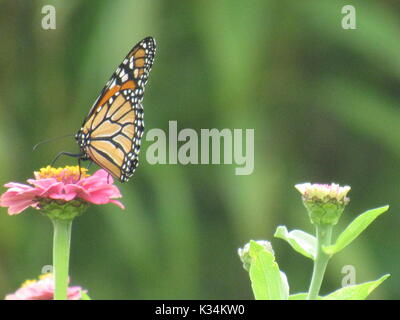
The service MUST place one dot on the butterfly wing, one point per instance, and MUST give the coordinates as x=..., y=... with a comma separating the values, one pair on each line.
x=112, y=131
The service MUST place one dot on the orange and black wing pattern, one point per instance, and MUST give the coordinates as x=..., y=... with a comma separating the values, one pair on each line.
x=111, y=133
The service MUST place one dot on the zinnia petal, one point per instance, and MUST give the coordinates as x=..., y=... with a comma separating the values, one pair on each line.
x=17, y=199
x=118, y=203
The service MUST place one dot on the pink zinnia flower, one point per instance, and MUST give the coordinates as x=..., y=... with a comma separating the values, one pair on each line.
x=43, y=289
x=62, y=185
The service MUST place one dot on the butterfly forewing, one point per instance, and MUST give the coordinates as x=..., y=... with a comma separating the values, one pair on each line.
x=112, y=131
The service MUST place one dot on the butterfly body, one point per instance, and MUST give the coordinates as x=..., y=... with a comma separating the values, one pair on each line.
x=111, y=133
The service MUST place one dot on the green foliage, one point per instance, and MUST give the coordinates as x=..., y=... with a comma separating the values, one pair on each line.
x=298, y=296
x=269, y=283
x=85, y=296
x=266, y=279
x=354, y=229
x=301, y=241
x=355, y=292
x=351, y=292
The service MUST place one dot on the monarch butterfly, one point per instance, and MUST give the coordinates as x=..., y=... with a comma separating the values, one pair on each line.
x=111, y=133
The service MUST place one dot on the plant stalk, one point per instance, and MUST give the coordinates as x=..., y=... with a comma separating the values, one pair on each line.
x=61, y=250
x=324, y=235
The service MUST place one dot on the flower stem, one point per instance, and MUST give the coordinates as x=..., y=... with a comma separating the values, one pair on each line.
x=324, y=234
x=61, y=248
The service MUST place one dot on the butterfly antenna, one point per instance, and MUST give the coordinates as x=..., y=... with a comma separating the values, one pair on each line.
x=51, y=140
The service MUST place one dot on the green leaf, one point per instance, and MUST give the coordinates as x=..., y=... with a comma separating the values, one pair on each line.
x=354, y=229
x=301, y=241
x=85, y=296
x=298, y=296
x=301, y=296
x=267, y=281
x=356, y=292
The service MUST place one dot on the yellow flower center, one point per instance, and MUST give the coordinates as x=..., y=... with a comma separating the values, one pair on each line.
x=65, y=174
x=27, y=283
x=45, y=276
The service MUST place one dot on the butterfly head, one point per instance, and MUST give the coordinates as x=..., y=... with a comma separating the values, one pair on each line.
x=83, y=141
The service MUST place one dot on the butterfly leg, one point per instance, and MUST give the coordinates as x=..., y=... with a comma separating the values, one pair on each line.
x=90, y=164
x=80, y=171
x=75, y=155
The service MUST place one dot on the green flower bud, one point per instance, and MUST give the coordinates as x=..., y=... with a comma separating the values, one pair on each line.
x=325, y=203
x=62, y=210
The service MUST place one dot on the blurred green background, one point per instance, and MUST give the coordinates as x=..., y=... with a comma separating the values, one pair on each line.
x=324, y=103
